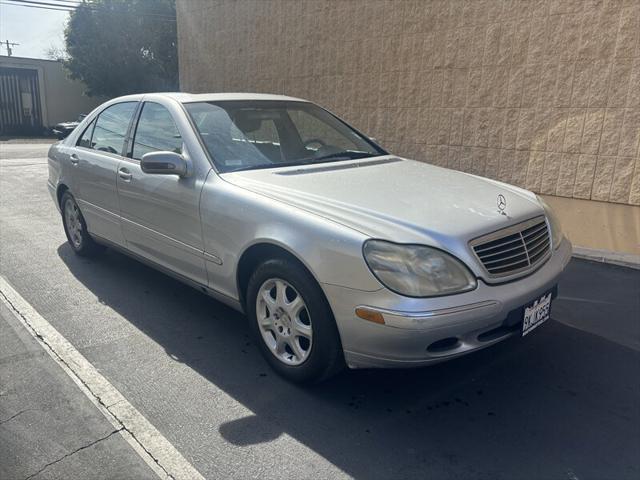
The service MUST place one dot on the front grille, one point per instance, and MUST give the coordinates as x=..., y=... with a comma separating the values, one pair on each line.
x=515, y=249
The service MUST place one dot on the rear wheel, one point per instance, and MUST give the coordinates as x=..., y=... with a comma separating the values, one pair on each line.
x=76, y=228
x=293, y=323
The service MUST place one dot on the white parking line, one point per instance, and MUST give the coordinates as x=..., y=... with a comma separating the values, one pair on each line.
x=146, y=440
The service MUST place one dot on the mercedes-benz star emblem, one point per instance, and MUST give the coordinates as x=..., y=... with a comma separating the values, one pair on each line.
x=502, y=204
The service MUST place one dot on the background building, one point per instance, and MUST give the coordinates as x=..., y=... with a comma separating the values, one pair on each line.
x=36, y=94
x=542, y=94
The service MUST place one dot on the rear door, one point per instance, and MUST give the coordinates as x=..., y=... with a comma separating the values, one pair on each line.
x=161, y=213
x=95, y=163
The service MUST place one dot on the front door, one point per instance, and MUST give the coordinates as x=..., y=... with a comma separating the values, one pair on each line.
x=94, y=165
x=161, y=213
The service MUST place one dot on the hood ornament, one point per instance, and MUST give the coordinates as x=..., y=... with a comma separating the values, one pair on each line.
x=502, y=205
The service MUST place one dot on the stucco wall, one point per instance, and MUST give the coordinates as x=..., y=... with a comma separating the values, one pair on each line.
x=541, y=94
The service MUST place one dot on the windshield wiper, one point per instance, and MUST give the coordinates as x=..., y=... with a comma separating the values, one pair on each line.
x=254, y=167
x=347, y=154
x=263, y=166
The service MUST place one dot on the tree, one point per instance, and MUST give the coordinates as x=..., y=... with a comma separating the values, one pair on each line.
x=55, y=52
x=118, y=47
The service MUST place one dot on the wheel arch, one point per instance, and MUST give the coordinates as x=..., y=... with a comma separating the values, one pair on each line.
x=256, y=254
x=60, y=190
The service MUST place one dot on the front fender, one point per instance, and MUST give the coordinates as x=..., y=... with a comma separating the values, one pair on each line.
x=235, y=219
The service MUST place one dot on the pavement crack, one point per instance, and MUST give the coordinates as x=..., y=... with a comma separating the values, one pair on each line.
x=84, y=447
x=19, y=413
x=141, y=444
x=113, y=404
x=97, y=397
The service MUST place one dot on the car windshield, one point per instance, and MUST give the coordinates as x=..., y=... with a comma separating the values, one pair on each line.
x=245, y=135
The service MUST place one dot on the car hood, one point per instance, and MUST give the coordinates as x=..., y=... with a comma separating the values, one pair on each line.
x=395, y=199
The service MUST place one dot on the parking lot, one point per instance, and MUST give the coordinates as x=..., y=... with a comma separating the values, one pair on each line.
x=561, y=403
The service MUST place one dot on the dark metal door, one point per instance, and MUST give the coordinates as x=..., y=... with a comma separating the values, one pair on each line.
x=20, y=109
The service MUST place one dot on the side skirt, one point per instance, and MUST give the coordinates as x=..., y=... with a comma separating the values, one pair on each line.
x=229, y=301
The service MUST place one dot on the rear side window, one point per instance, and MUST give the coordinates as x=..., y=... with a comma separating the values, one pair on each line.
x=156, y=132
x=111, y=127
x=85, y=139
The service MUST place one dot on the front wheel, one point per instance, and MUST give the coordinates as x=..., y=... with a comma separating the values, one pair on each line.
x=293, y=323
x=76, y=228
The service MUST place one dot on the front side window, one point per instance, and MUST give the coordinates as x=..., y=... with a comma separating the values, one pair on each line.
x=242, y=135
x=111, y=127
x=156, y=132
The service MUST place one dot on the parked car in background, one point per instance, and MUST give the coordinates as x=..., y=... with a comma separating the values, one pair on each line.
x=63, y=129
x=337, y=251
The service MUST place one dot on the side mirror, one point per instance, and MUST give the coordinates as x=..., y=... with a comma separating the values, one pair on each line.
x=164, y=163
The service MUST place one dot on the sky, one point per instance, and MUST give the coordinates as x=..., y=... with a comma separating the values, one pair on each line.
x=36, y=30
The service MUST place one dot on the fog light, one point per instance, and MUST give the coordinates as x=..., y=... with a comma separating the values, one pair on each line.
x=370, y=315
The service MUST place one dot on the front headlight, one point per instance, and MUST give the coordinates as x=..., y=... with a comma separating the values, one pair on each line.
x=554, y=223
x=416, y=270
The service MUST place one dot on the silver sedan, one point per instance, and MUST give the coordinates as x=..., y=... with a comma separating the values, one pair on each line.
x=339, y=252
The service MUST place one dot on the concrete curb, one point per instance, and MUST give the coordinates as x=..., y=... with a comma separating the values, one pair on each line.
x=614, y=258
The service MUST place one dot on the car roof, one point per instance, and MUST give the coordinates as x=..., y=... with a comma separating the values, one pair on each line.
x=184, y=97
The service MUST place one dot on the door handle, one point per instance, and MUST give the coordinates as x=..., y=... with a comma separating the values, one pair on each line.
x=74, y=159
x=124, y=174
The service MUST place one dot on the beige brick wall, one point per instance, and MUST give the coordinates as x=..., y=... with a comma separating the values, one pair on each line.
x=544, y=94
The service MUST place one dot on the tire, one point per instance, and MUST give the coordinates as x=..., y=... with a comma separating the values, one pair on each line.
x=75, y=228
x=319, y=355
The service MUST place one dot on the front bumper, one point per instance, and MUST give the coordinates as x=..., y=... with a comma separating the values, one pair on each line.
x=475, y=319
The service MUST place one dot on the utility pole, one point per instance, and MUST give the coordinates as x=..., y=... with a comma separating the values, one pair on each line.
x=8, y=46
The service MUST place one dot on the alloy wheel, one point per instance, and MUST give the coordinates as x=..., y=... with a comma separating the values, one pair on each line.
x=73, y=222
x=284, y=321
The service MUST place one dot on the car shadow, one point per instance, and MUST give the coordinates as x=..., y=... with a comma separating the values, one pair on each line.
x=561, y=403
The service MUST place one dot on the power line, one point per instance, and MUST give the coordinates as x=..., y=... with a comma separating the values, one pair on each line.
x=45, y=3
x=90, y=6
x=61, y=3
x=35, y=6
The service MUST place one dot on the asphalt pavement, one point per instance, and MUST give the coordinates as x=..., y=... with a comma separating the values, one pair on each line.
x=48, y=427
x=561, y=403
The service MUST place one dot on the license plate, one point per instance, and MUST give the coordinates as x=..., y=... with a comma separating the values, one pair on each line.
x=536, y=313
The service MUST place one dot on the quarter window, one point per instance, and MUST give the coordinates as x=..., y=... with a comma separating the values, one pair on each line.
x=156, y=132
x=111, y=127
x=85, y=139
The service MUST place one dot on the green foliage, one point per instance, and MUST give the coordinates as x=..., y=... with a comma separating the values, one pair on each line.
x=119, y=47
